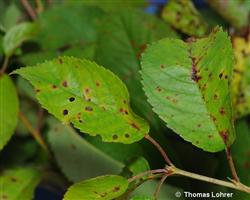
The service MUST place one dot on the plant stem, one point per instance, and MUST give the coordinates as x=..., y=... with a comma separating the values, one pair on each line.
x=158, y=189
x=231, y=164
x=5, y=64
x=35, y=133
x=235, y=185
x=29, y=9
x=138, y=176
x=160, y=149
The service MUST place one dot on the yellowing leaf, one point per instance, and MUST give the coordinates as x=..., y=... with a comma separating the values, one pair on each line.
x=241, y=77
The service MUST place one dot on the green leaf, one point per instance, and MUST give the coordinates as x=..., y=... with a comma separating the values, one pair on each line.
x=16, y=35
x=140, y=197
x=122, y=39
x=87, y=95
x=111, y=5
x=236, y=12
x=241, y=77
x=8, y=109
x=183, y=15
x=18, y=183
x=77, y=158
x=147, y=190
x=103, y=188
x=189, y=88
x=11, y=16
x=80, y=22
x=118, y=151
x=139, y=165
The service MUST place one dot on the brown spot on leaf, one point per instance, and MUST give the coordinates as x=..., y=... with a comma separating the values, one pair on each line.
x=60, y=61
x=220, y=75
x=65, y=112
x=135, y=126
x=4, y=196
x=87, y=90
x=54, y=86
x=127, y=135
x=210, y=136
x=162, y=66
x=124, y=101
x=246, y=165
x=115, y=189
x=97, y=84
x=88, y=108
x=65, y=84
x=71, y=99
x=115, y=137
x=222, y=111
x=199, y=125
x=158, y=89
x=13, y=179
x=38, y=90
x=215, y=96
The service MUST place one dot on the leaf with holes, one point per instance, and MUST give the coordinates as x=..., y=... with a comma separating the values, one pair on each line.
x=188, y=86
x=183, y=15
x=16, y=35
x=123, y=47
x=8, y=109
x=18, y=183
x=72, y=152
x=241, y=77
x=87, y=95
x=103, y=187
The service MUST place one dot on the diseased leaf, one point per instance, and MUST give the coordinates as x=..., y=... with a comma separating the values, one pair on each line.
x=241, y=77
x=122, y=39
x=236, y=12
x=189, y=88
x=183, y=15
x=90, y=97
x=19, y=183
x=16, y=35
x=8, y=109
x=103, y=188
x=77, y=158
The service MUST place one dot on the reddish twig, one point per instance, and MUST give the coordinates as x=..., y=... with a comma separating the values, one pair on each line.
x=161, y=150
x=29, y=9
x=231, y=164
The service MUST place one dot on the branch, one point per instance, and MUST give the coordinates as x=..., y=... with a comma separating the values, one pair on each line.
x=138, y=176
x=36, y=134
x=29, y=9
x=160, y=149
x=231, y=164
x=158, y=189
x=235, y=185
x=5, y=65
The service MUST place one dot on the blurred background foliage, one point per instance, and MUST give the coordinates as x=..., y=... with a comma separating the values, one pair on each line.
x=113, y=33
